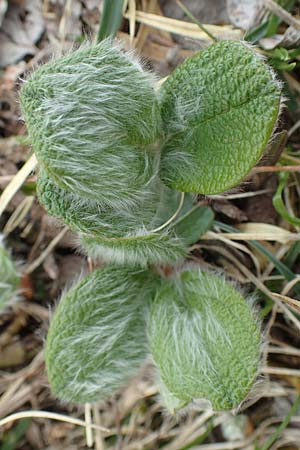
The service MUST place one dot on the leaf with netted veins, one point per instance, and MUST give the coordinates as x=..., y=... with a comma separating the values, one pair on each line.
x=97, y=338
x=204, y=339
x=219, y=110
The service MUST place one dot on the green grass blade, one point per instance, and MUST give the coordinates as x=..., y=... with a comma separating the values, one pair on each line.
x=269, y=26
x=110, y=19
x=278, y=202
x=273, y=438
x=292, y=254
x=196, y=21
x=10, y=440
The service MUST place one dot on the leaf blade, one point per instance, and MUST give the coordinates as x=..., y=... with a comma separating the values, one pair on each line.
x=204, y=339
x=219, y=108
x=96, y=340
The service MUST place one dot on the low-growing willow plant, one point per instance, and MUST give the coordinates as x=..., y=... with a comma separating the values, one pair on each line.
x=120, y=162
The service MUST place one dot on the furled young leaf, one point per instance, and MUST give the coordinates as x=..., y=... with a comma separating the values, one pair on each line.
x=191, y=222
x=204, y=339
x=9, y=278
x=93, y=120
x=219, y=109
x=96, y=340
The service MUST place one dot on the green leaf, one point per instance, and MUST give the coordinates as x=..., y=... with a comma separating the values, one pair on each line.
x=91, y=217
x=96, y=340
x=204, y=339
x=194, y=224
x=93, y=120
x=169, y=201
x=169, y=400
x=219, y=109
x=192, y=220
x=110, y=19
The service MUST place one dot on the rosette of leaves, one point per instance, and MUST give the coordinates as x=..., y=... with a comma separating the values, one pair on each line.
x=119, y=163
x=9, y=278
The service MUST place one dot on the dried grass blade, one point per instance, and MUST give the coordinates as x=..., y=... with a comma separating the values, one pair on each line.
x=185, y=28
x=17, y=182
x=35, y=414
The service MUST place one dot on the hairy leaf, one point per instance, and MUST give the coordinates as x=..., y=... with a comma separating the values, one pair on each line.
x=147, y=246
x=169, y=400
x=96, y=340
x=123, y=236
x=204, y=339
x=219, y=109
x=93, y=119
x=89, y=216
x=126, y=236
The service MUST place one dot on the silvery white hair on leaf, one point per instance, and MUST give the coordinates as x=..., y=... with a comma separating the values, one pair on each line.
x=204, y=339
x=140, y=250
x=97, y=337
x=94, y=121
x=219, y=110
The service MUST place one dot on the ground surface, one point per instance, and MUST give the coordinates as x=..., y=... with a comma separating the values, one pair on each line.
x=31, y=31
